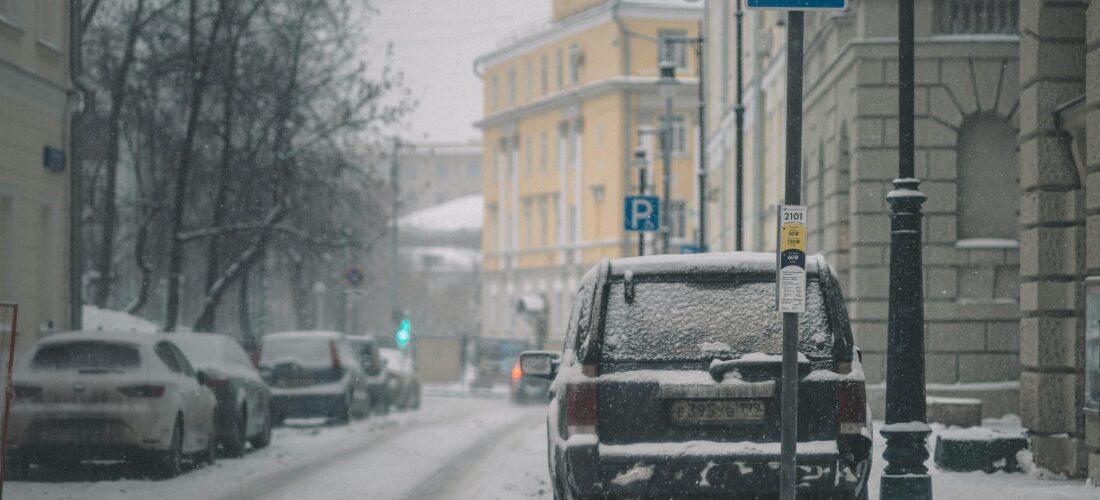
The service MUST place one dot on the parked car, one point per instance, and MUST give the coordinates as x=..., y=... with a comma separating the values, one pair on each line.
x=244, y=401
x=403, y=383
x=374, y=364
x=313, y=374
x=530, y=389
x=110, y=395
x=669, y=383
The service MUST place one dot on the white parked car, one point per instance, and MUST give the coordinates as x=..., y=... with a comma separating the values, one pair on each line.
x=110, y=395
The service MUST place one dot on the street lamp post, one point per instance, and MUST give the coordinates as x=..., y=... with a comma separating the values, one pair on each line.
x=906, y=429
x=640, y=160
x=668, y=85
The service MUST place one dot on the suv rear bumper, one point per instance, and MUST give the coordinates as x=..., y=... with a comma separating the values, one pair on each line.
x=704, y=468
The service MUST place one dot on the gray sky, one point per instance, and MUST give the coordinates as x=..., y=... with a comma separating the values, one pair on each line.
x=435, y=43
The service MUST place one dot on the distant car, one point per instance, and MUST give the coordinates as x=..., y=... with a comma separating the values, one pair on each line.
x=530, y=389
x=313, y=374
x=403, y=383
x=244, y=400
x=110, y=395
x=669, y=383
x=366, y=348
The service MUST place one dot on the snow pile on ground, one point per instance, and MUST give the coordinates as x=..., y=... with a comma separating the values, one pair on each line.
x=95, y=318
x=459, y=214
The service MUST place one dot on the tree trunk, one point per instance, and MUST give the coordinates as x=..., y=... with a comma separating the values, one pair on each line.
x=114, y=125
x=200, y=72
x=244, y=320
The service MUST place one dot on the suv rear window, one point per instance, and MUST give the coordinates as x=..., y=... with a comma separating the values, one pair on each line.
x=698, y=321
x=87, y=356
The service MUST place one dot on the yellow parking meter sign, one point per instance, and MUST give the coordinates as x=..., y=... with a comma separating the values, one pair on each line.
x=790, y=277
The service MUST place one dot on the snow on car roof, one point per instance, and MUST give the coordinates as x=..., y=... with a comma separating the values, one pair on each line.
x=754, y=264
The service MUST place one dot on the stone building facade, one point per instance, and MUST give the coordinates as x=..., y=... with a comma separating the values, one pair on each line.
x=1059, y=142
x=34, y=166
x=967, y=114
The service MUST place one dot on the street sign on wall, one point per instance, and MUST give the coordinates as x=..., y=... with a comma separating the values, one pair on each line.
x=641, y=213
x=796, y=4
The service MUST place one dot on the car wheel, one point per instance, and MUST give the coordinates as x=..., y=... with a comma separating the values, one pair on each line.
x=234, y=442
x=382, y=407
x=210, y=454
x=170, y=462
x=343, y=412
x=264, y=437
x=416, y=399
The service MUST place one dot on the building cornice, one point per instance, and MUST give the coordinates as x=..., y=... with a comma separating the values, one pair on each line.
x=583, y=21
x=688, y=88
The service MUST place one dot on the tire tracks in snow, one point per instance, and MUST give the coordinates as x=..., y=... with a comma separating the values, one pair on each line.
x=442, y=482
x=274, y=482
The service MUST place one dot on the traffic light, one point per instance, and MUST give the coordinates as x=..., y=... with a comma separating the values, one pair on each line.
x=404, y=333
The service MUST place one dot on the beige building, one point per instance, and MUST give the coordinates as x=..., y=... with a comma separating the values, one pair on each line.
x=563, y=107
x=34, y=167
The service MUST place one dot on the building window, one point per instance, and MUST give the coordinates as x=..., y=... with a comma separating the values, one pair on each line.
x=544, y=222
x=677, y=216
x=988, y=181
x=529, y=151
x=441, y=171
x=493, y=170
x=529, y=82
x=575, y=60
x=675, y=52
x=561, y=69
x=575, y=149
x=678, y=132
x=408, y=172
x=494, y=227
x=543, y=153
x=511, y=87
x=563, y=144
x=494, y=93
x=976, y=17
x=544, y=76
x=473, y=171
x=528, y=225
x=50, y=21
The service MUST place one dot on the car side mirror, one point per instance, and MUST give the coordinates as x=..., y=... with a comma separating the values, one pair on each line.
x=202, y=377
x=538, y=364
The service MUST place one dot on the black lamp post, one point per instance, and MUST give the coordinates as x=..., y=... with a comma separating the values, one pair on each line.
x=641, y=160
x=906, y=429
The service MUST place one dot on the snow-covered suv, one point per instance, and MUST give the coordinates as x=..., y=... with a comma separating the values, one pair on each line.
x=670, y=378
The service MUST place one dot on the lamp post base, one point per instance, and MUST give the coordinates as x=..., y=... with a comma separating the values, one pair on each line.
x=906, y=487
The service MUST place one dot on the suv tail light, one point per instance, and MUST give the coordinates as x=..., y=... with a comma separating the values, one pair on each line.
x=851, y=399
x=335, y=354
x=517, y=372
x=142, y=391
x=581, y=401
x=256, y=355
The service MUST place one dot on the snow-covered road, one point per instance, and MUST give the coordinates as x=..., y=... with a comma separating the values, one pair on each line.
x=452, y=448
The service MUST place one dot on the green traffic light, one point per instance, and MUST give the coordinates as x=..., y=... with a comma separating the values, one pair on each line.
x=404, y=333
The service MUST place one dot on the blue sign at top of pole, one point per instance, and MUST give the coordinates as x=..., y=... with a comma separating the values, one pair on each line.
x=796, y=4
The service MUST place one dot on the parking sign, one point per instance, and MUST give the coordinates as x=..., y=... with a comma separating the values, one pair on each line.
x=641, y=213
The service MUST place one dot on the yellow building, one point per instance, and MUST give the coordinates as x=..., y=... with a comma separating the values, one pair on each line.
x=562, y=111
x=34, y=168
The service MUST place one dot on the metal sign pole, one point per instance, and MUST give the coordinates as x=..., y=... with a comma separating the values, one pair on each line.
x=792, y=196
x=9, y=359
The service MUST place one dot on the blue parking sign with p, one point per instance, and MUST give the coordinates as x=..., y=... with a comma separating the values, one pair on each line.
x=642, y=213
x=796, y=4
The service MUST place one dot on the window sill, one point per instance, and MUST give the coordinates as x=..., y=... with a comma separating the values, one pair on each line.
x=987, y=244
x=971, y=301
x=10, y=25
x=50, y=47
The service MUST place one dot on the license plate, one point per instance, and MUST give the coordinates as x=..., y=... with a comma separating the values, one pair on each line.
x=691, y=411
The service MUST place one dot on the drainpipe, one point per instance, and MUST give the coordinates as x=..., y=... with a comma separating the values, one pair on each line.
x=756, y=206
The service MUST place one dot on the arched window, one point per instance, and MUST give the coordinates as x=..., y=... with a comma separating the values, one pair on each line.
x=988, y=179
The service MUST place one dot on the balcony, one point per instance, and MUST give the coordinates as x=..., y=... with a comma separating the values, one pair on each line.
x=976, y=17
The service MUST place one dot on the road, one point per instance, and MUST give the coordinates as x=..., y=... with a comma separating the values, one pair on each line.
x=452, y=448
x=449, y=449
